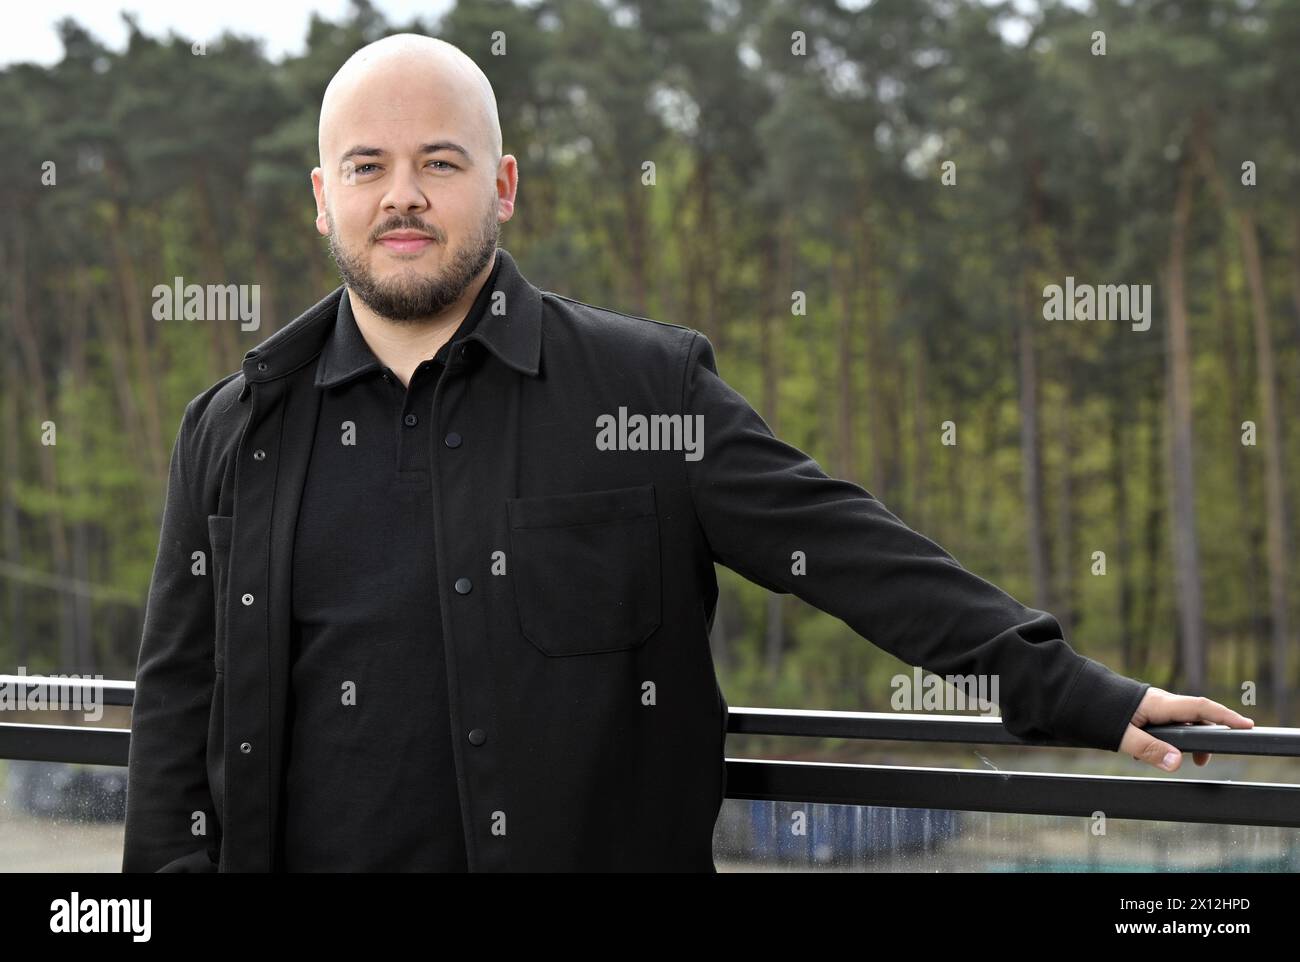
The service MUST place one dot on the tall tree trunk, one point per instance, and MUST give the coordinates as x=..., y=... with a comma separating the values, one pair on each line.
x=1031, y=458
x=1119, y=558
x=1254, y=628
x=1153, y=526
x=14, y=629
x=1186, y=552
x=1031, y=441
x=1274, y=493
x=1063, y=599
x=923, y=436
x=778, y=301
x=715, y=316
x=845, y=450
x=1294, y=262
x=81, y=601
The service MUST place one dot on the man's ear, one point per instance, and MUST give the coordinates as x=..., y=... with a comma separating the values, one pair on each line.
x=318, y=189
x=507, y=185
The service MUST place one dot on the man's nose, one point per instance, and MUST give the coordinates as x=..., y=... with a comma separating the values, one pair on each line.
x=404, y=194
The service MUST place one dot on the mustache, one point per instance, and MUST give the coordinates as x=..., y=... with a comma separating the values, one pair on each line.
x=406, y=223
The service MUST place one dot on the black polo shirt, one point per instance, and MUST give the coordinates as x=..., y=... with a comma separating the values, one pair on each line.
x=369, y=781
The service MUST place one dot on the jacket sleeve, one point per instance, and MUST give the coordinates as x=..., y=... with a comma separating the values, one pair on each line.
x=167, y=780
x=759, y=499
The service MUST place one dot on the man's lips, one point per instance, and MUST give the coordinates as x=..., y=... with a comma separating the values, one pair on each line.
x=405, y=242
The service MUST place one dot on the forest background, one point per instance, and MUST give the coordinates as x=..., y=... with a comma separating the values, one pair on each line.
x=863, y=208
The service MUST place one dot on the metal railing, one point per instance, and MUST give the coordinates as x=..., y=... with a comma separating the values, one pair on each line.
x=1166, y=798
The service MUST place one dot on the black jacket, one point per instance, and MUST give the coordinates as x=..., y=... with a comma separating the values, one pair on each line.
x=576, y=589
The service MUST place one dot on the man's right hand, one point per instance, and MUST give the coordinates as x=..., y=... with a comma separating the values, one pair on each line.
x=1159, y=707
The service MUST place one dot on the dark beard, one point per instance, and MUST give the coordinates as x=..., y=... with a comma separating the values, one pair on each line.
x=409, y=298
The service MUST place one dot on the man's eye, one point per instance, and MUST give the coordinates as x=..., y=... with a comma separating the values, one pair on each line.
x=361, y=167
x=444, y=163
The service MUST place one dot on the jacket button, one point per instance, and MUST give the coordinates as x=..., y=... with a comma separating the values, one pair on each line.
x=261, y=365
x=245, y=747
x=477, y=736
x=452, y=440
x=259, y=455
x=247, y=599
x=463, y=586
x=410, y=420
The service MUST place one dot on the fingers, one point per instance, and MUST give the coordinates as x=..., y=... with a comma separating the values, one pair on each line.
x=1213, y=712
x=1200, y=758
x=1195, y=708
x=1144, y=748
x=1176, y=709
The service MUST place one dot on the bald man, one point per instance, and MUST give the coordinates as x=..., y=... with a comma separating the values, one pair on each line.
x=409, y=125
x=436, y=577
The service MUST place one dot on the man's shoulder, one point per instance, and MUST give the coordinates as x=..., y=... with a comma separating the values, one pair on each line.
x=214, y=417
x=218, y=409
x=638, y=338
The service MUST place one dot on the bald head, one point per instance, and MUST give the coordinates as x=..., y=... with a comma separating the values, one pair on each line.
x=409, y=78
x=412, y=187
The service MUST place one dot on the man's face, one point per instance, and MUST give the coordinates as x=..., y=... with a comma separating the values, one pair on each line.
x=409, y=195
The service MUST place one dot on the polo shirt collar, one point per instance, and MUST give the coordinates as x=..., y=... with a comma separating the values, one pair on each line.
x=346, y=354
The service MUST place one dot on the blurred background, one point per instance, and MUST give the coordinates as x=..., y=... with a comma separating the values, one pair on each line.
x=862, y=205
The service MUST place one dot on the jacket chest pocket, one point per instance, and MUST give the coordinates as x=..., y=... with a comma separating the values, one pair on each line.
x=585, y=569
x=219, y=530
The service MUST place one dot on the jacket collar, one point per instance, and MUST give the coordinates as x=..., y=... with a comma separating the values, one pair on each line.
x=514, y=336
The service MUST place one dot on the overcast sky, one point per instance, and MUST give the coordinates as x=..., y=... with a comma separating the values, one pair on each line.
x=282, y=24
